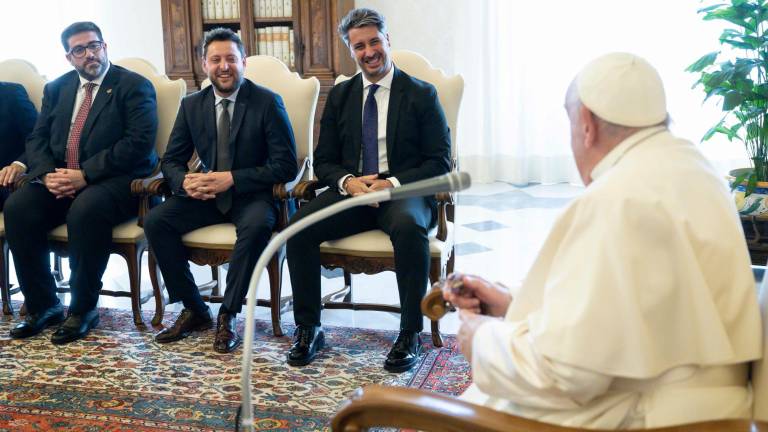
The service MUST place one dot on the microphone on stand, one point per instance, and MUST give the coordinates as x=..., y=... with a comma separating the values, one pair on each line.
x=452, y=182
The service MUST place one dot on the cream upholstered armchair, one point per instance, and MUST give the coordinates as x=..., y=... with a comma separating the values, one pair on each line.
x=379, y=406
x=24, y=73
x=128, y=238
x=371, y=252
x=212, y=245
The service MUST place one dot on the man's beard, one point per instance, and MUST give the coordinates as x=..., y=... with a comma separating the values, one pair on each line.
x=235, y=85
x=83, y=70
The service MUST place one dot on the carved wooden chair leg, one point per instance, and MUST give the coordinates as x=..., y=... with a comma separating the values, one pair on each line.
x=348, y=286
x=437, y=338
x=216, y=289
x=435, y=272
x=23, y=310
x=58, y=271
x=157, y=290
x=133, y=258
x=275, y=273
x=5, y=289
x=451, y=262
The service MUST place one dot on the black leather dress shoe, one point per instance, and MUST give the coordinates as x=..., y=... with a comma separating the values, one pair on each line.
x=307, y=341
x=404, y=353
x=35, y=323
x=186, y=323
x=75, y=327
x=227, y=339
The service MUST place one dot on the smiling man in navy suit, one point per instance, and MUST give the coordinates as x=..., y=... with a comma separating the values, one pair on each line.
x=96, y=132
x=380, y=129
x=245, y=142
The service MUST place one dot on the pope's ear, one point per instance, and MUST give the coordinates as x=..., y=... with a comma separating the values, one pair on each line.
x=588, y=125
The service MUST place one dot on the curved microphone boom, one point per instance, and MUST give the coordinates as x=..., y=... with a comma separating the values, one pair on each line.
x=446, y=183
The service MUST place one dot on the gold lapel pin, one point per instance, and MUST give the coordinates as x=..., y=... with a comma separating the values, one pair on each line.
x=109, y=91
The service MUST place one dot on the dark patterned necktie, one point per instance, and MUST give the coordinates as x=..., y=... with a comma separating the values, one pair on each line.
x=371, y=133
x=73, y=143
x=223, y=160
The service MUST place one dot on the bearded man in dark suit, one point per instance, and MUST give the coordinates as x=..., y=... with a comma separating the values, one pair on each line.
x=244, y=138
x=96, y=133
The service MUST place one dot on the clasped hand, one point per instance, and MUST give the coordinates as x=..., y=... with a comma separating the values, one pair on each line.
x=479, y=301
x=64, y=182
x=205, y=186
x=366, y=184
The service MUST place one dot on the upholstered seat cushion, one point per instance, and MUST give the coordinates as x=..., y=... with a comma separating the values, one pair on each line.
x=376, y=243
x=126, y=232
x=219, y=237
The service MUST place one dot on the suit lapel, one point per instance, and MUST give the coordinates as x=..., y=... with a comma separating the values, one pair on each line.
x=103, y=96
x=241, y=105
x=209, y=117
x=355, y=116
x=393, y=112
x=67, y=103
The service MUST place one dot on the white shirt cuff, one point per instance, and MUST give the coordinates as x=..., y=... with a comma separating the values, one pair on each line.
x=341, y=183
x=24, y=167
x=395, y=182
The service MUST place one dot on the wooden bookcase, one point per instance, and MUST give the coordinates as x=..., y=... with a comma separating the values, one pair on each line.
x=318, y=51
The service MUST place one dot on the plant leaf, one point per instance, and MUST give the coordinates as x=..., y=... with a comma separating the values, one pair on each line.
x=704, y=61
x=738, y=180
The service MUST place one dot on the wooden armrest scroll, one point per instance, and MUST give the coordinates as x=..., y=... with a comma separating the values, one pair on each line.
x=379, y=406
x=306, y=190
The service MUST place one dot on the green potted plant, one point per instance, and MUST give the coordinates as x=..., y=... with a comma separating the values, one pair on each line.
x=736, y=75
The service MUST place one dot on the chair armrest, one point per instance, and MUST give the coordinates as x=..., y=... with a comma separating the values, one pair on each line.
x=398, y=407
x=305, y=190
x=141, y=188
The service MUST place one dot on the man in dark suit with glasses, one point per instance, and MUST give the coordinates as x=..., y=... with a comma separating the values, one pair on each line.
x=96, y=132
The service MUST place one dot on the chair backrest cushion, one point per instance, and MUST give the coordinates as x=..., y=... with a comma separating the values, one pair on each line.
x=299, y=96
x=169, y=95
x=450, y=89
x=24, y=73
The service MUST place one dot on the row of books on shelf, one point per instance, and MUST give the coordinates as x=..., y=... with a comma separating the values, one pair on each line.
x=220, y=9
x=276, y=41
x=230, y=9
x=273, y=8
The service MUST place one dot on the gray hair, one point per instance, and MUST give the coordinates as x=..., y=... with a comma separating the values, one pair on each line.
x=361, y=17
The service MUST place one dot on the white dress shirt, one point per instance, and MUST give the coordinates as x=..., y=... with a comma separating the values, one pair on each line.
x=382, y=105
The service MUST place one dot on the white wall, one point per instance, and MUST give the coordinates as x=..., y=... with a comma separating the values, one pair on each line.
x=31, y=30
x=425, y=26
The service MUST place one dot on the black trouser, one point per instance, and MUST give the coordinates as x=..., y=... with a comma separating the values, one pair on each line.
x=406, y=221
x=32, y=211
x=254, y=220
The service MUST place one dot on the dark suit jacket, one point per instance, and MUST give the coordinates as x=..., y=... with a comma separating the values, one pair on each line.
x=17, y=118
x=118, y=138
x=261, y=141
x=418, y=139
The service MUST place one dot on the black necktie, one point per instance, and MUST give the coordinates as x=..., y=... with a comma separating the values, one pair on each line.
x=223, y=160
x=371, y=133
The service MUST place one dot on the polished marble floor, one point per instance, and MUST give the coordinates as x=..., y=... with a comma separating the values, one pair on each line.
x=499, y=229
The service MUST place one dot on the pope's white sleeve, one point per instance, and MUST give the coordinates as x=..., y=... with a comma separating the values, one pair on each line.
x=505, y=364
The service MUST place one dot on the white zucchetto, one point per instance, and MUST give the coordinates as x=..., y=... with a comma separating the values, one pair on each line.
x=624, y=89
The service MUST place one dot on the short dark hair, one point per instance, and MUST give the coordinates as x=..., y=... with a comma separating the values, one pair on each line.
x=361, y=17
x=79, y=27
x=220, y=34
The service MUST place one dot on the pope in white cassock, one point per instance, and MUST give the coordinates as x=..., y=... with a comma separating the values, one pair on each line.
x=640, y=310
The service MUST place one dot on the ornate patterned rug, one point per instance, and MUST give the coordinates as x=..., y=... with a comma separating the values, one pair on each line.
x=119, y=379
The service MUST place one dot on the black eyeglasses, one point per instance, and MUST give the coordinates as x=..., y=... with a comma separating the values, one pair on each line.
x=78, y=51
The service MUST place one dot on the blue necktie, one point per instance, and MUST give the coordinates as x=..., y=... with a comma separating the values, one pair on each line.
x=371, y=133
